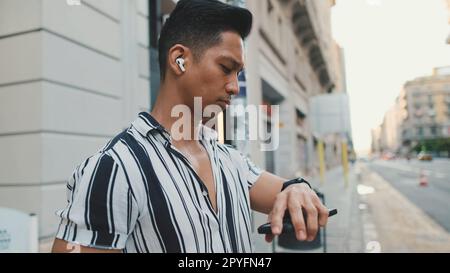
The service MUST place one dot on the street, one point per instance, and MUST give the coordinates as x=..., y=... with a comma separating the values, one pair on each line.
x=434, y=199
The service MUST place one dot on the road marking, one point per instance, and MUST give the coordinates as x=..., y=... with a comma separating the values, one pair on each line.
x=415, y=170
x=398, y=167
x=363, y=189
x=373, y=247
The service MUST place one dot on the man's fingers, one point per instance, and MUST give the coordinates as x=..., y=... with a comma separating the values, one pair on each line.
x=295, y=211
x=277, y=214
x=323, y=215
x=306, y=210
x=312, y=221
x=321, y=210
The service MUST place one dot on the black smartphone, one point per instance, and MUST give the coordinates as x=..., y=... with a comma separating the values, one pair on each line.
x=288, y=227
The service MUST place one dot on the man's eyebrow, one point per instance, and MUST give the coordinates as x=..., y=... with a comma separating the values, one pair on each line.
x=236, y=64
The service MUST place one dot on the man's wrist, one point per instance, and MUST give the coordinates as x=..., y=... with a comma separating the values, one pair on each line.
x=298, y=180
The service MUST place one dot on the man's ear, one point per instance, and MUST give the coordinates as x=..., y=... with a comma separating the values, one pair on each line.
x=178, y=51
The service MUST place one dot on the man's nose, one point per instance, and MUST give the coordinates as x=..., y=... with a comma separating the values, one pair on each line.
x=233, y=87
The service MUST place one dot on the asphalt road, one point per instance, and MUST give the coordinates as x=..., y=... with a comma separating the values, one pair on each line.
x=404, y=176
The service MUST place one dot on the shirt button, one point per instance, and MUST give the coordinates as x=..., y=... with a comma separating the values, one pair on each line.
x=205, y=193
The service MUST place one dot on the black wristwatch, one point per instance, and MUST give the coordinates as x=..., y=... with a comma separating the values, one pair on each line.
x=297, y=180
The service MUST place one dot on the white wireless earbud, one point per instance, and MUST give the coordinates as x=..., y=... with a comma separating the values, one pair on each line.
x=180, y=63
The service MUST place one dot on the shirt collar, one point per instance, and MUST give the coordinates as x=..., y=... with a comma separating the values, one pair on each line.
x=208, y=134
x=146, y=124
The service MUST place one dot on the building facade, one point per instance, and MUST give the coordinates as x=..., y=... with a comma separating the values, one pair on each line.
x=291, y=57
x=376, y=139
x=421, y=112
x=288, y=61
x=428, y=107
x=72, y=75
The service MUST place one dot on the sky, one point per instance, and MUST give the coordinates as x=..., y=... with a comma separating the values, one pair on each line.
x=386, y=43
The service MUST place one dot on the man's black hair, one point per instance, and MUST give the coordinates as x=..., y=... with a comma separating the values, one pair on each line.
x=198, y=24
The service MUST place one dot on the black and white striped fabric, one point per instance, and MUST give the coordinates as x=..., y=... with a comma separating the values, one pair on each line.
x=140, y=194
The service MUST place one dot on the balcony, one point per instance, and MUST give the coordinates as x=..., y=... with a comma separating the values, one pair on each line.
x=306, y=34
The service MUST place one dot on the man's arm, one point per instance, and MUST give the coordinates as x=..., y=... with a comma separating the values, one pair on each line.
x=90, y=216
x=266, y=197
x=61, y=246
x=264, y=192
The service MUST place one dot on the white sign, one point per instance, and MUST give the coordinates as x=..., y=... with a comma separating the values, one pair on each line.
x=330, y=114
x=18, y=231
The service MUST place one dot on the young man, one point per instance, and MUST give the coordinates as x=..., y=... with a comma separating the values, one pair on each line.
x=146, y=191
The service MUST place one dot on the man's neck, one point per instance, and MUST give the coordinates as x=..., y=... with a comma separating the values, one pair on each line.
x=162, y=112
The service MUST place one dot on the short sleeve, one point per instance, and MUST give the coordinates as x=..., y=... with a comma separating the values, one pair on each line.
x=251, y=171
x=101, y=211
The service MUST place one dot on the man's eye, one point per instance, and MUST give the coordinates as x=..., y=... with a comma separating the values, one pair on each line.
x=225, y=69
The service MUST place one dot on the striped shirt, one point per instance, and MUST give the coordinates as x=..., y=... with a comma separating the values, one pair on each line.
x=140, y=194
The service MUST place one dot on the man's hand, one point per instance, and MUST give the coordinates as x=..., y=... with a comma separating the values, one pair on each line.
x=61, y=246
x=298, y=199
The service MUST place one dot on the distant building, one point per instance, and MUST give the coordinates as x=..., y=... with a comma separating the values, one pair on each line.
x=421, y=112
x=385, y=137
x=376, y=140
x=428, y=108
x=389, y=130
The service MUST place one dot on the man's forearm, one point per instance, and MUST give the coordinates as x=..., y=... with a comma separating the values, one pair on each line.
x=264, y=192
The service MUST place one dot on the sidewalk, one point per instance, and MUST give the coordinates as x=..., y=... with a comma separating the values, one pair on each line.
x=372, y=217
x=344, y=232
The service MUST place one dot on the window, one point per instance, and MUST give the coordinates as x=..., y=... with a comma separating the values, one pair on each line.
x=420, y=131
x=433, y=130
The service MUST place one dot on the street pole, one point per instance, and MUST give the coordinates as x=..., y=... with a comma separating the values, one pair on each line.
x=320, y=151
x=345, y=162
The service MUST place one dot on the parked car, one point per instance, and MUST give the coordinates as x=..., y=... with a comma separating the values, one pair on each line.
x=424, y=156
x=388, y=156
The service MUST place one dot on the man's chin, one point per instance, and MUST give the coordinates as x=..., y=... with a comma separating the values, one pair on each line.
x=222, y=104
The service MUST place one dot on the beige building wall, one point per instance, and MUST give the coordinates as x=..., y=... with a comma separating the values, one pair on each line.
x=402, y=116
x=338, y=59
x=376, y=140
x=281, y=56
x=280, y=62
x=333, y=142
x=390, y=129
x=428, y=105
x=71, y=77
